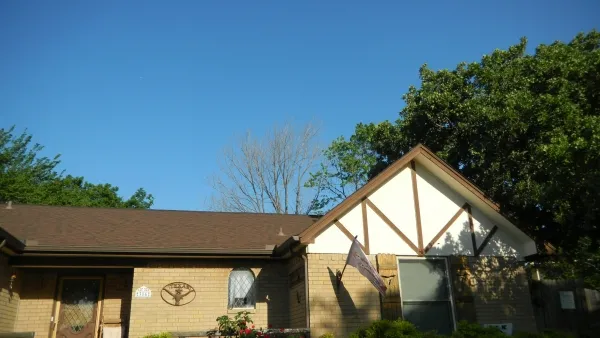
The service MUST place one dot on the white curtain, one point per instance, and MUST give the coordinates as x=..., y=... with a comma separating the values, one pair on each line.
x=241, y=289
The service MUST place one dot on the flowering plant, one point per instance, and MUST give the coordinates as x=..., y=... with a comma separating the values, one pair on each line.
x=242, y=326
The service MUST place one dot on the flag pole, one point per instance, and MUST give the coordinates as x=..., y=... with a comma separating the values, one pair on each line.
x=339, y=274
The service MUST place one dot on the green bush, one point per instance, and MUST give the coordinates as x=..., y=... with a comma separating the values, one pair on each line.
x=473, y=330
x=327, y=335
x=159, y=335
x=544, y=334
x=391, y=329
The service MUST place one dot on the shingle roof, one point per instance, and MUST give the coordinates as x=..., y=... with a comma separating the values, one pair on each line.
x=53, y=226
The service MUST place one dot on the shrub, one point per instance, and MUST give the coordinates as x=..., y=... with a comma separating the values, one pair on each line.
x=473, y=330
x=390, y=329
x=327, y=335
x=544, y=334
x=159, y=335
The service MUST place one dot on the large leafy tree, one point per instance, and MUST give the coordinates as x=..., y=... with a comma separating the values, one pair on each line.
x=29, y=178
x=523, y=127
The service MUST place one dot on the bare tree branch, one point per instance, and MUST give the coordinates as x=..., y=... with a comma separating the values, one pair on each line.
x=268, y=174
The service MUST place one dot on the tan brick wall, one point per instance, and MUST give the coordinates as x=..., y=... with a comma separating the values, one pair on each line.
x=117, y=296
x=37, y=300
x=9, y=298
x=297, y=306
x=38, y=289
x=297, y=292
x=340, y=312
x=501, y=290
x=210, y=280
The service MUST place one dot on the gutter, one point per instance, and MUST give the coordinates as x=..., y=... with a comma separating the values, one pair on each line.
x=98, y=250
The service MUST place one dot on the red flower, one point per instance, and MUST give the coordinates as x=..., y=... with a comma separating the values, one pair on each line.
x=270, y=326
x=252, y=326
x=282, y=330
x=267, y=336
x=248, y=331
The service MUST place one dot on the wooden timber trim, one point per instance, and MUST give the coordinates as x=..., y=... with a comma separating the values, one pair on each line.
x=363, y=205
x=413, y=176
x=446, y=227
x=486, y=240
x=348, y=234
x=472, y=229
x=353, y=200
x=392, y=225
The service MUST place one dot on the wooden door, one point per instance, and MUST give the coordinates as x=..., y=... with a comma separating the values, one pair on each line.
x=78, y=307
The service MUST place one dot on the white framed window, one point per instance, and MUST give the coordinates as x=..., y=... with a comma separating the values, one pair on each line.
x=241, y=289
x=426, y=293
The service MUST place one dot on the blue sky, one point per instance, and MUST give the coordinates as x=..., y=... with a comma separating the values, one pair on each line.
x=146, y=93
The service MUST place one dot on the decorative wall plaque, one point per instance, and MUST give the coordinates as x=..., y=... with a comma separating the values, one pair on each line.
x=178, y=294
x=143, y=292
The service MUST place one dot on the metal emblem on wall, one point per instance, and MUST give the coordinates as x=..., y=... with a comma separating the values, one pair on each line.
x=178, y=294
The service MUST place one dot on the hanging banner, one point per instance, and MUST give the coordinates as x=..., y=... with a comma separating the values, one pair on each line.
x=358, y=259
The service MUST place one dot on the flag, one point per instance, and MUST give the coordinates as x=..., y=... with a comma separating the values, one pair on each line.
x=358, y=259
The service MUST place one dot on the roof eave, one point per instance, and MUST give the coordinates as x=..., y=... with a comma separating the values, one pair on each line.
x=10, y=241
x=290, y=245
x=50, y=249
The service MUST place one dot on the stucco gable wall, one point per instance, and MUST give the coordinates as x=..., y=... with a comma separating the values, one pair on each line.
x=438, y=204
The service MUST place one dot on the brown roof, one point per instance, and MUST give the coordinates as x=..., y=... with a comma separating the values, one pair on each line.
x=132, y=230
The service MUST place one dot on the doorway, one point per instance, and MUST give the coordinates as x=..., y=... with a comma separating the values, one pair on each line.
x=78, y=307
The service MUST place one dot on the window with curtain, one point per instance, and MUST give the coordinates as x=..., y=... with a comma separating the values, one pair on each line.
x=242, y=290
x=425, y=291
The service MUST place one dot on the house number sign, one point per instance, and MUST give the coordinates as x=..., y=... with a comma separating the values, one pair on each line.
x=178, y=294
x=143, y=292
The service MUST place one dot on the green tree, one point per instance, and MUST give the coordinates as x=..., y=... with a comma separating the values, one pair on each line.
x=523, y=127
x=345, y=169
x=28, y=178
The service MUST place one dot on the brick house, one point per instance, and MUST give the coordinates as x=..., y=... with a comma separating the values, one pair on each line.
x=443, y=248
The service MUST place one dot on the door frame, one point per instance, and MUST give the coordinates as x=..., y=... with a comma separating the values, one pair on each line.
x=448, y=278
x=59, y=299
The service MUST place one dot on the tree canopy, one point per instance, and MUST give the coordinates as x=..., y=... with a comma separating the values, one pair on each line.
x=523, y=127
x=29, y=178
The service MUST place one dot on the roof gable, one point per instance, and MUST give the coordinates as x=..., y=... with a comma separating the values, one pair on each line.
x=444, y=205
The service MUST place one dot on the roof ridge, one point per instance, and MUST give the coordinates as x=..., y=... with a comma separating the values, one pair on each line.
x=16, y=205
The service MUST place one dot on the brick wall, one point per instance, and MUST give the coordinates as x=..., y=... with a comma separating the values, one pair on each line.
x=117, y=296
x=38, y=290
x=9, y=298
x=210, y=281
x=501, y=293
x=340, y=312
x=297, y=293
x=499, y=287
x=37, y=300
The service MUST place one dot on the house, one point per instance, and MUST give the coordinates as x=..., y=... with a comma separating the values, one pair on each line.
x=442, y=247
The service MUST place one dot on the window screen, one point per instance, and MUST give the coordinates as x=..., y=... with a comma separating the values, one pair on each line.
x=425, y=294
x=241, y=289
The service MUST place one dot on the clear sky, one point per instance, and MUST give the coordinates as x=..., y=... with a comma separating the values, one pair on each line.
x=146, y=93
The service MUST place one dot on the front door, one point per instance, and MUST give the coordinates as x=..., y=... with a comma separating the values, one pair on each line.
x=78, y=307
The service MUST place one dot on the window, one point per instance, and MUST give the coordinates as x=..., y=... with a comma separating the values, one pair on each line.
x=241, y=289
x=425, y=291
